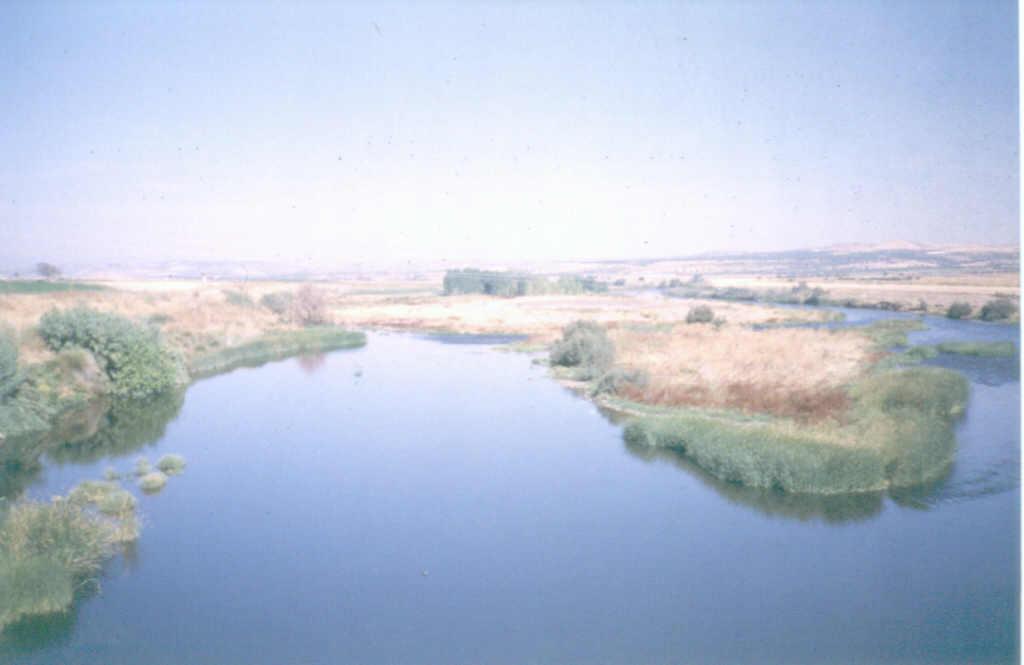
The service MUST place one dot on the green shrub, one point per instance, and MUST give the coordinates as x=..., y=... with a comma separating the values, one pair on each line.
x=999, y=309
x=959, y=310
x=700, y=314
x=585, y=345
x=131, y=355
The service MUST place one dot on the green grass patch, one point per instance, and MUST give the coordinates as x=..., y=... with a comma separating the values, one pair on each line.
x=983, y=349
x=275, y=346
x=899, y=433
x=888, y=333
x=31, y=286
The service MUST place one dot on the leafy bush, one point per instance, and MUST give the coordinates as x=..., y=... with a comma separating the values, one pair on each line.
x=959, y=310
x=585, y=345
x=131, y=355
x=999, y=309
x=700, y=314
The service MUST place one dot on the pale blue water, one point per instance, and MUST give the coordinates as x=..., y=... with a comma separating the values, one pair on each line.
x=417, y=502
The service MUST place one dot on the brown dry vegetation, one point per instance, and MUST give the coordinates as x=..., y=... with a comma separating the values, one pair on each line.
x=797, y=373
x=196, y=317
x=937, y=292
x=541, y=317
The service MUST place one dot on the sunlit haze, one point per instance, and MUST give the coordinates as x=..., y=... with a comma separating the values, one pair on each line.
x=380, y=133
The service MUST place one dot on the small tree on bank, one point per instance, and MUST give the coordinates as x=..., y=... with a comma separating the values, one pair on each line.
x=47, y=270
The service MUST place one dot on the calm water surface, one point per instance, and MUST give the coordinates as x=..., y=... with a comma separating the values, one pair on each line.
x=416, y=502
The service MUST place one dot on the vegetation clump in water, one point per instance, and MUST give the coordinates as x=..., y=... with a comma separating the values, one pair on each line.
x=153, y=481
x=48, y=550
x=171, y=464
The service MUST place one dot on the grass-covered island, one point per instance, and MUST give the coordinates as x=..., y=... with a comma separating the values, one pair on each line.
x=797, y=410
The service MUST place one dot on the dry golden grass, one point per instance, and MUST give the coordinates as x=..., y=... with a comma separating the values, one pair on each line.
x=798, y=373
x=937, y=292
x=541, y=317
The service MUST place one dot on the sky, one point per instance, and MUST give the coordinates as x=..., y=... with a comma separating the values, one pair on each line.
x=341, y=133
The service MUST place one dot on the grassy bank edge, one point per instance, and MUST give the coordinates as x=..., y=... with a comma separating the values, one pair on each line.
x=899, y=433
x=274, y=346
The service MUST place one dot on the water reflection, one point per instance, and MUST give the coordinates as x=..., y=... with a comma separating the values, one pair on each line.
x=97, y=431
x=43, y=631
x=312, y=362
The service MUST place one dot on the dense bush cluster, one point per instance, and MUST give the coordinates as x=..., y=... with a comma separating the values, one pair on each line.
x=700, y=314
x=511, y=284
x=999, y=309
x=307, y=306
x=131, y=355
x=959, y=310
x=584, y=345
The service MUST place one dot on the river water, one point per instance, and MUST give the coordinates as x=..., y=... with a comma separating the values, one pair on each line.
x=418, y=502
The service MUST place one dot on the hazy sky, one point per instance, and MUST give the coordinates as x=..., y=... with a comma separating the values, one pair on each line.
x=492, y=131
